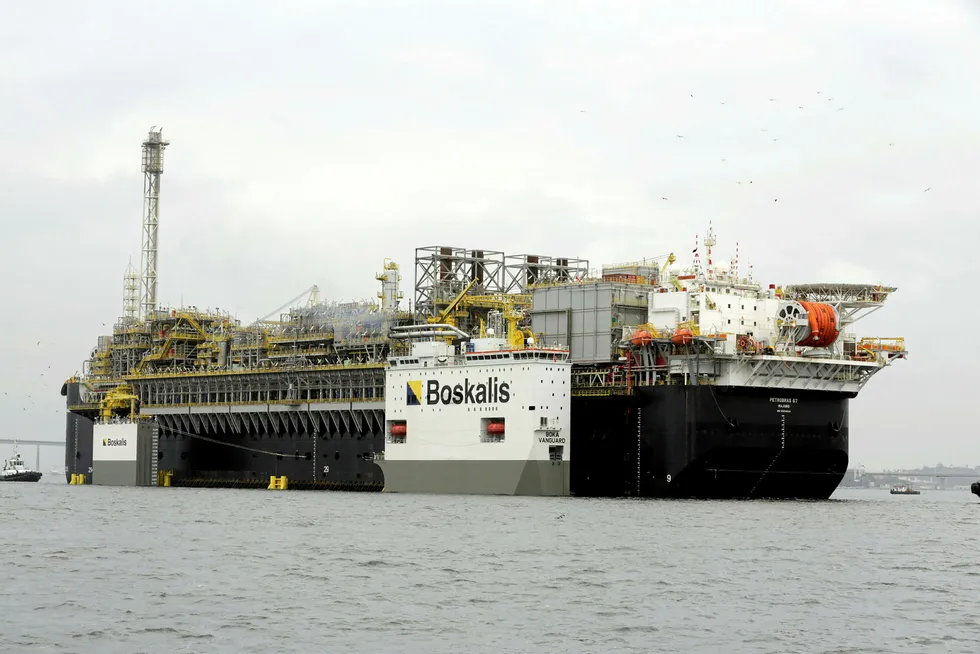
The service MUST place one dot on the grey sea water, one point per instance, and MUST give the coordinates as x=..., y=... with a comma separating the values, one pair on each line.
x=94, y=569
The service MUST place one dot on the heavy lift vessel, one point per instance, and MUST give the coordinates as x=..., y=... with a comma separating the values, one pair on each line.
x=692, y=382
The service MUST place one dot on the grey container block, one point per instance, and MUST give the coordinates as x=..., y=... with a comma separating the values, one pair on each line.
x=590, y=309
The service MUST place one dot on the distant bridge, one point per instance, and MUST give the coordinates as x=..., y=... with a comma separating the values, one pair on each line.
x=924, y=475
x=39, y=444
x=943, y=480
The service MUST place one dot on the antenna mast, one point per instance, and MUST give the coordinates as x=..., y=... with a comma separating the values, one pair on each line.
x=153, y=148
x=131, y=294
x=709, y=242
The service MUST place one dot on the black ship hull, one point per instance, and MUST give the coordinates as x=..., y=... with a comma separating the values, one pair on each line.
x=710, y=442
x=339, y=461
x=663, y=441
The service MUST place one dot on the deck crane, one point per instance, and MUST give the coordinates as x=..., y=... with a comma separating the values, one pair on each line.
x=314, y=295
x=445, y=316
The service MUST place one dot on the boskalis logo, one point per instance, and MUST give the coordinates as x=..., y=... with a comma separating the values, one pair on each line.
x=492, y=392
x=414, y=391
x=113, y=442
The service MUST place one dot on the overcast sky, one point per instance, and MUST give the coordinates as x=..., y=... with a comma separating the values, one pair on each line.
x=310, y=140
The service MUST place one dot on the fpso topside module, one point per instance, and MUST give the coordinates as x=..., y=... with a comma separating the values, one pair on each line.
x=518, y=374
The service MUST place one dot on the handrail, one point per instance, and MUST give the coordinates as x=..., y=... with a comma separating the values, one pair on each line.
x=434, y=330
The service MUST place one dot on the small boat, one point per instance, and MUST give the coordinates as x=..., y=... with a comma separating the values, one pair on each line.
x=14, y=469
x=903, y=490
x=975, y=488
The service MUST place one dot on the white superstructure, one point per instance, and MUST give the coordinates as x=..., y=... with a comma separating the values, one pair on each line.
x=14, y=465
x=488, y=419
x=772, y=337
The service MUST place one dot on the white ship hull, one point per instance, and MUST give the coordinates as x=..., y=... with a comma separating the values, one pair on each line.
x=440, y=413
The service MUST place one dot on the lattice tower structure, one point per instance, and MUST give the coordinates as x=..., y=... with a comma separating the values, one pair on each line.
x=131, y=294
x=522, y=272
x=441, y=274
x=153, y=149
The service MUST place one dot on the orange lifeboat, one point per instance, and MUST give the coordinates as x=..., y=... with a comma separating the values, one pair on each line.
x=641, y=337
x=823, y=325
x=399, y=429
x=682, y=336
x=495, y=427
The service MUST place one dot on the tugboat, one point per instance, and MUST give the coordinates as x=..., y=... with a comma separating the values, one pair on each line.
x=15, y=470
x=903, y=490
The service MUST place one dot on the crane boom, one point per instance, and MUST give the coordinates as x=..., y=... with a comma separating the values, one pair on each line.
x=312, y=291
x=444, y=315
